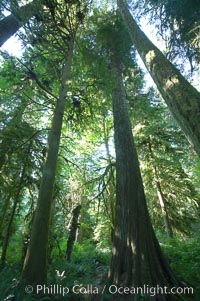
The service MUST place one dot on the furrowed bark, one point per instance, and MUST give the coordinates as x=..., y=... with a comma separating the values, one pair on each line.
x=182, y=99
x=137, y=259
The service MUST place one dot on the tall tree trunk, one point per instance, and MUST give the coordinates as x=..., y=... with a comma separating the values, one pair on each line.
x=35, y=264
x=52, y=236
x=12, y=23
x=164, y=210
x=73, y=231
x=5, y=209
x=112, y=178
x=8, y=233
x=160, y=194
x=182, y=99
x=137, y=259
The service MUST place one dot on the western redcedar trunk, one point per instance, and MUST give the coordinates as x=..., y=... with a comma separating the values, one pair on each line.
x=137, y=259
x=182, y=99
x=35, y=264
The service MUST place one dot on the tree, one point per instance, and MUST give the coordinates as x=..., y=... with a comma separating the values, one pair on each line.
x=12, y=23
x=35, y=265
x=136, y=255
x=10, y=222
x=79, y=163
x=137, y=258
x=161, y=196
x=73, y=231
x=181, y=20
x=163, y=151
x=182, y=99
x=17, y=143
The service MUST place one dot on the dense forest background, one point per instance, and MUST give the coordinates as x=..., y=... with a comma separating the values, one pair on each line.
x=99, y=170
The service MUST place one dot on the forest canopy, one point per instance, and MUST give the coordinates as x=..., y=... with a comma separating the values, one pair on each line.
x=99, y=171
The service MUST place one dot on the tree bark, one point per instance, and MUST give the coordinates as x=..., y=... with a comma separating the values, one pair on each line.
x=8, y=233
x=164, y=210
x=73, y=231
x=160, y=195
x=25, y=242
x=182, y=99
x=137, y=259
x=12, y=23
x=5, y=209
x=35, y=264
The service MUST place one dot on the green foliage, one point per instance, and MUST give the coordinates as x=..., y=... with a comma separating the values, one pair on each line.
x=196, y=172
x=82, y=267
x=85, y=172
x=184, y=258
x=9, y=279
x=161, y=147
x=180, y=22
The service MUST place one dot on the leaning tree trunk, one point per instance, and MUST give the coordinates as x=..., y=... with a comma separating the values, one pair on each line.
x=35, y=264
x=12, y=23
x=182, y=99
x=73, y=230
x=137, y=259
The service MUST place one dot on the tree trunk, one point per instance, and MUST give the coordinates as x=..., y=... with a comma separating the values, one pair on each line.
x=12, y=23
x=52, y=236
x=25, y=242
x=161, y=197
x=10, y=222
x=182, y=99
x=163, y=206
x=137, y=259
x=73, y=231
x=8, y=233
x=35, y=264
x=5, y=209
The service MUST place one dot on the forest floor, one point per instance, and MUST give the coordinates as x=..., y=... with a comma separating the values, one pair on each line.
x=88, y=269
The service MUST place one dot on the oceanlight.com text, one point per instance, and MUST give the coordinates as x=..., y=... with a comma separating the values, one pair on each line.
x=148, y=290
x=55, y=289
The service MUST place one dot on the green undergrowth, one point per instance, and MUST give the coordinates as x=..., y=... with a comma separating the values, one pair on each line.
x=184, y=258
x=183, y=255
x=83, y=265
x=81, y=270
